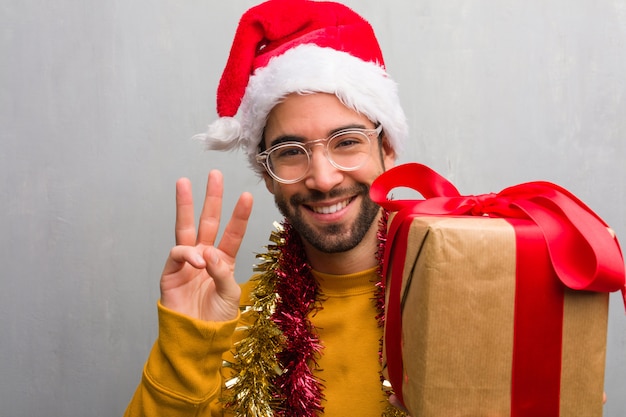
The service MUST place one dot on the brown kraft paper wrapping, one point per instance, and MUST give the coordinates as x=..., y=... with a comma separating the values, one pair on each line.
x=458, y=315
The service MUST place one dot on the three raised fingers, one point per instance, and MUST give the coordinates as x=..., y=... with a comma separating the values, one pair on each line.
x=209, y=222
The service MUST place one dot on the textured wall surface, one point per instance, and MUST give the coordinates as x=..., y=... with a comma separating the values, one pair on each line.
x=99, y=100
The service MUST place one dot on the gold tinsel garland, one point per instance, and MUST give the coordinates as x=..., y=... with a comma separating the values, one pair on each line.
x=255, y=355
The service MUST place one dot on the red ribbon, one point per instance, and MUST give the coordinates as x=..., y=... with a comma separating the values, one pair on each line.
x=580, y=249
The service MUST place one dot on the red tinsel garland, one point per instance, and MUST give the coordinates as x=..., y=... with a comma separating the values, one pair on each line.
x=298, y=294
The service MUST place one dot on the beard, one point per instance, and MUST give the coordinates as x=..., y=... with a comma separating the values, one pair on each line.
x=332, y=238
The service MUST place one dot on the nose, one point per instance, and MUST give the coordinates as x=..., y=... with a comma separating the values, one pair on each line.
x=322, y=175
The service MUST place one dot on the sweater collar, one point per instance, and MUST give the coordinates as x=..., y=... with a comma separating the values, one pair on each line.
x=345, y=285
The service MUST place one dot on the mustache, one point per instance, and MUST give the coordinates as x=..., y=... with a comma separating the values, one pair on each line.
x=315, y=196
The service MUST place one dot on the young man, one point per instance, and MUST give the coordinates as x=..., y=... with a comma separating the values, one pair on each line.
x=320, y=119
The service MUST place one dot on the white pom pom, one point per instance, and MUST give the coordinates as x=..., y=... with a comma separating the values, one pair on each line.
x=222, y=135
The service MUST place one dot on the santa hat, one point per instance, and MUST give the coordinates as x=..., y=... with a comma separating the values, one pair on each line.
x=301, y=46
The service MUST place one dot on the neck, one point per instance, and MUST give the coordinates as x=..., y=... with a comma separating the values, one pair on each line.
x=357, y=259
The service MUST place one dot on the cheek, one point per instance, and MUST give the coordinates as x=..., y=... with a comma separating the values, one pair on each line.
x=281, y=191
x=270, y=184
x=374, y=169
x=365, y=177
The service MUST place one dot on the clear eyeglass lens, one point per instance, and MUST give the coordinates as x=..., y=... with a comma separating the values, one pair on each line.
x=346, y=150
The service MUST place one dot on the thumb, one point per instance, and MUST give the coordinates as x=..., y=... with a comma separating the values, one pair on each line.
x=223, y=274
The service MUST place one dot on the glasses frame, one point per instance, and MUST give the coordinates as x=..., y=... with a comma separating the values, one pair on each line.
x=261, y=157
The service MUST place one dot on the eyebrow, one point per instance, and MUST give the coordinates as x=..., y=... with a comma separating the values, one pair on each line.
x=302, y=139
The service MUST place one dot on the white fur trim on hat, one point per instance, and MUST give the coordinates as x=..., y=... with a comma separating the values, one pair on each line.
x=362, y=86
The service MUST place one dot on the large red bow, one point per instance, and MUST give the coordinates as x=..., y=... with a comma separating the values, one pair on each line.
x=585, y=255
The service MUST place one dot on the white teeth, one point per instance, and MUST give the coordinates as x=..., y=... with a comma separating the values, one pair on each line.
x=331, y=209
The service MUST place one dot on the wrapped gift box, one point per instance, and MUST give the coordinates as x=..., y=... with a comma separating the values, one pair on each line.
x=458, y=302
x=479, y=322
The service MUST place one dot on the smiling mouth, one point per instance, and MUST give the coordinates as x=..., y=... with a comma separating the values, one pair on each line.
x=331, y=209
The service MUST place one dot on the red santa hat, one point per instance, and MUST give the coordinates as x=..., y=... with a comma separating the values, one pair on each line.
x=301, y=46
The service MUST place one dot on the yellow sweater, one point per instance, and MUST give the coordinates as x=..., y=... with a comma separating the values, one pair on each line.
x=184, y=376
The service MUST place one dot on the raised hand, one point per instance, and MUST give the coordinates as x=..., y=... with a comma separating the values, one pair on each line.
x=198, y=278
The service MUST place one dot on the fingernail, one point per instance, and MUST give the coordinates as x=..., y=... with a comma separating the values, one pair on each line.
x=199, y=259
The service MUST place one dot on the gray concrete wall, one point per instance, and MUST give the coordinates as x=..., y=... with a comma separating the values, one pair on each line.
x=99, y=100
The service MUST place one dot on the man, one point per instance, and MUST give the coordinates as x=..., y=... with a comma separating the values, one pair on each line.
x=319, y=119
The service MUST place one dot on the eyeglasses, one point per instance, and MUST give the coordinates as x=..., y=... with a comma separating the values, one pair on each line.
x=347, y=150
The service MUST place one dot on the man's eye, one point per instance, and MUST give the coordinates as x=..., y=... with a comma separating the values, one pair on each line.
x=347, y=142
x=289, y=152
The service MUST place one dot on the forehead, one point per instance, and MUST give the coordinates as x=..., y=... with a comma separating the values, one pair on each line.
x=310, y=116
